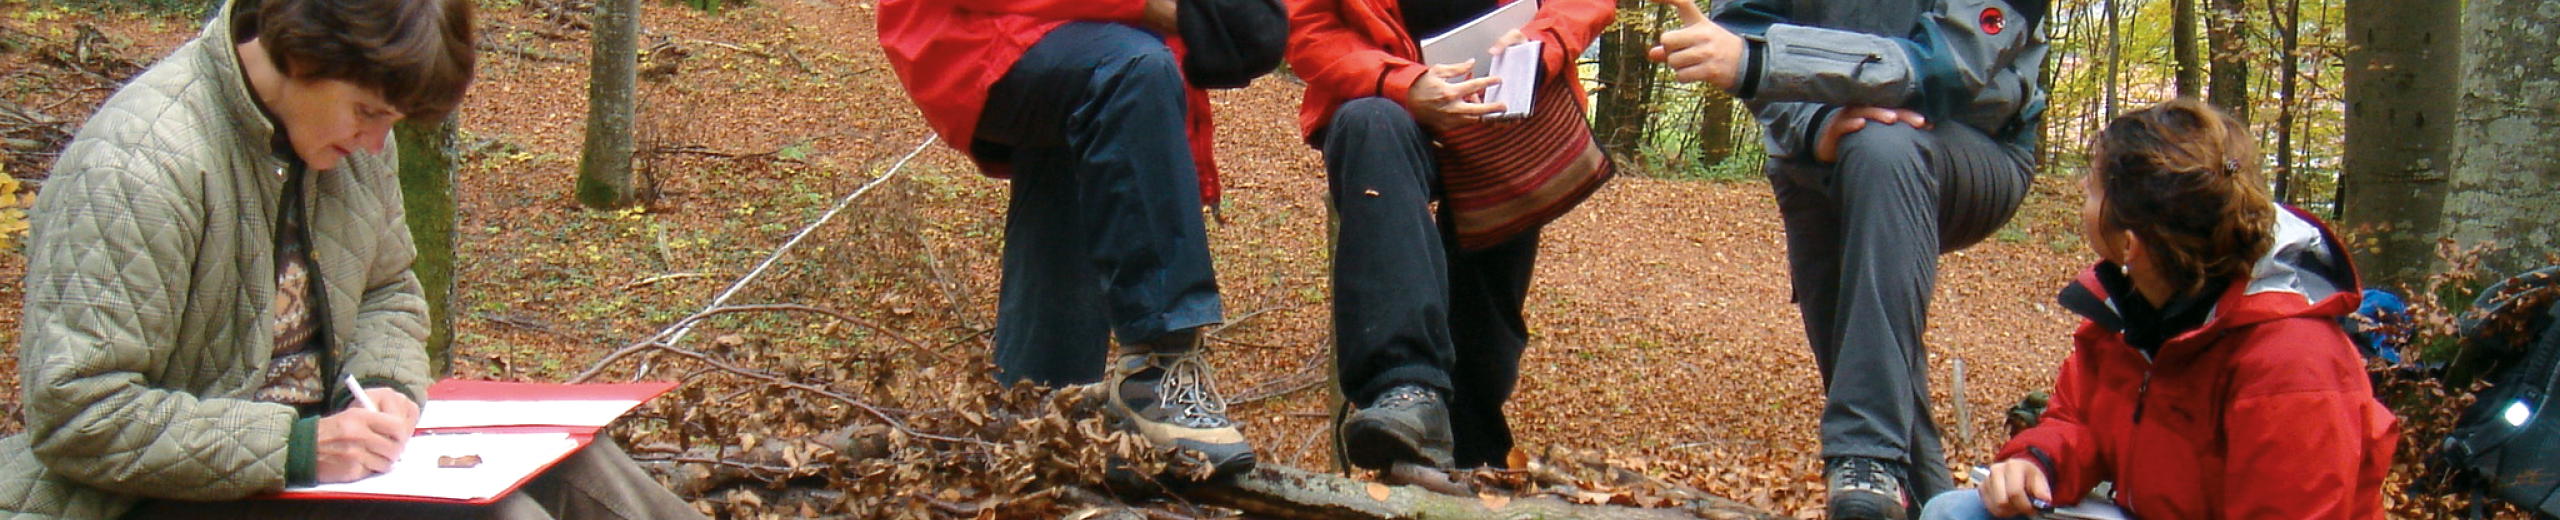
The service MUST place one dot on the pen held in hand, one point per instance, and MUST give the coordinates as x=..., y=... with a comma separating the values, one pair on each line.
x=357, y=390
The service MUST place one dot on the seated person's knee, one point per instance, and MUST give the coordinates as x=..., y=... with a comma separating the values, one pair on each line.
x=1372, y=116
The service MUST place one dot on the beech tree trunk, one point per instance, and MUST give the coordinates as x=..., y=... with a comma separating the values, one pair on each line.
x=2402, y=74
x=605, y=178
x=426, y=194
x=2506, y=163
x=2182, y=36
x=2228, y=35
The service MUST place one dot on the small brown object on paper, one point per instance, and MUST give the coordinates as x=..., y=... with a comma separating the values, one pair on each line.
x=465, y=461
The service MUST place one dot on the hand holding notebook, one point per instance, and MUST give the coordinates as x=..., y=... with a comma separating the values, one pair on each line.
x=1516, y=65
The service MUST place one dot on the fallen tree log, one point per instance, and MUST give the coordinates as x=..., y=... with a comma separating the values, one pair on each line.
x=1283, y=492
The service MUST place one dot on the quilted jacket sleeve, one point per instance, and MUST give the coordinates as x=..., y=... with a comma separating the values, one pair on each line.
x=386, y=345
x=110, y=258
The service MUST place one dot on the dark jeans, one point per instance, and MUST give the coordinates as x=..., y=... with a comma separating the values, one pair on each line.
x=1409, y=306
x=1104, y=234
x=1863, y=239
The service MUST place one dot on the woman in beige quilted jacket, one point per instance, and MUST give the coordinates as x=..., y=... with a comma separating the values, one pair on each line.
x=219, y=243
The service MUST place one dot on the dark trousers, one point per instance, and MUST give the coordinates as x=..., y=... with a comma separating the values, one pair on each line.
x=1409, y=306
x=1104, y=234
x=1863, y=239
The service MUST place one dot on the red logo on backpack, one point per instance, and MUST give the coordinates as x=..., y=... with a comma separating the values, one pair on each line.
x=1993, y=20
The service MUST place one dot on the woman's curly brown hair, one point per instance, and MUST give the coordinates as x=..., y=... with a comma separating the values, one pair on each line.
x=2183, y=176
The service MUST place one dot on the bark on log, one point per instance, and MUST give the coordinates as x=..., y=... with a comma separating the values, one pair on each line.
x=1283, y=492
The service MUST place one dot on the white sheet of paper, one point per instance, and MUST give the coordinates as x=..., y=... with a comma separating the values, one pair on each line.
x=458, y=414
x=1471, y=40
x=504, y=459
x=1518, y=68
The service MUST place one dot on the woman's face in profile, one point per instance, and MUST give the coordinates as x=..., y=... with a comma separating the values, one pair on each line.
x=329, y=119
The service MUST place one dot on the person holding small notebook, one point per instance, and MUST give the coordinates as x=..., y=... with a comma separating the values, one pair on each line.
x=1896, y=131
x=219, y=247
x=2209, y=378
x=1429, y=327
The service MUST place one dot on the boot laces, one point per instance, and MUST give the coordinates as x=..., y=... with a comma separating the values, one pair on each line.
x=1188, y=391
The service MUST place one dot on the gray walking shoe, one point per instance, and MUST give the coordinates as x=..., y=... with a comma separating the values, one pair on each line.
x=1866, y=489
x=1408, y=423
x=1168, y=396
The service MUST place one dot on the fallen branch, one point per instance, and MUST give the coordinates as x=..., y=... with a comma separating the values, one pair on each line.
x=1282, y=492
x=781, y=382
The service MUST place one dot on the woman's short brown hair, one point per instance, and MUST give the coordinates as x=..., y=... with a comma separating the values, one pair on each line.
x=417, y=53
x=2183, y=176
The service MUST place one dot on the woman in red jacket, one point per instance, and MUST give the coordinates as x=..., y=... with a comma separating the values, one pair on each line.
x=1084, y=104
x=2210, y=379
x=1429, y=334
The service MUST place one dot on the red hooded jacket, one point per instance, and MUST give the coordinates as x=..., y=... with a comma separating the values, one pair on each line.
x=948, y=53
x=1351, y=49
x=2265, y=411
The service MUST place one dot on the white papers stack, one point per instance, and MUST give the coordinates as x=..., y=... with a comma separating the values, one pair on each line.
x=1518, y=68
x=505, y=459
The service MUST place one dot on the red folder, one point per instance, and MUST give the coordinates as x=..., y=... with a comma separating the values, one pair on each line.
x=460, y=390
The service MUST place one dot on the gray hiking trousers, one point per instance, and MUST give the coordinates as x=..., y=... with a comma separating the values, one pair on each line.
x=1863, y=239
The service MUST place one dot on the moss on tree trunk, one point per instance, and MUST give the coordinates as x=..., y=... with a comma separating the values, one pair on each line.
x=426, y=192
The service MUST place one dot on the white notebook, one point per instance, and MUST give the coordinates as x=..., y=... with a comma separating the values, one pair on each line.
x=1516, y=65
x=1470, y=40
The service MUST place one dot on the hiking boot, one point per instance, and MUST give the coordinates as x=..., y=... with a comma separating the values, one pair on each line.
x=1866, y=489
x=1165, y=392
x=1408, y=423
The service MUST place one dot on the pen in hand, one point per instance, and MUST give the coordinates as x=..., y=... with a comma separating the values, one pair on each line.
x=357, y=390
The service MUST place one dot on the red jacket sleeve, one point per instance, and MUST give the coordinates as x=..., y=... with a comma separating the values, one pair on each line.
x=1335, y=57
x=1129, y=11
x=1567, y=27
x=2293, y=455
x=2077, y=463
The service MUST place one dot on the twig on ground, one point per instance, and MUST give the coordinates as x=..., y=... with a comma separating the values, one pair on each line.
x=653, y=280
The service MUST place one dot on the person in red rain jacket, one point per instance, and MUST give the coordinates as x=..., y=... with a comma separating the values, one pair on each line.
x=1429, y=335
x=1083, y=104
x=2210, y=379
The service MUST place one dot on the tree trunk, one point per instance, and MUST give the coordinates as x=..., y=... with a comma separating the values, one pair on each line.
x=2115, y=62
x=426, y=194
x=1626, y=80
x=2506, y=168
x=2182, y=42
x=2291, y=27
x=2228, y=36
x=1715, y=127
x=605, y=177
x=2401, y=79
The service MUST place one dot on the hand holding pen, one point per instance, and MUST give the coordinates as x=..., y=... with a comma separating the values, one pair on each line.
x=363, y=439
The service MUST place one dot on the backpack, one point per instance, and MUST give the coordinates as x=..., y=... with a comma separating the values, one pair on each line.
x=2505, y=446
